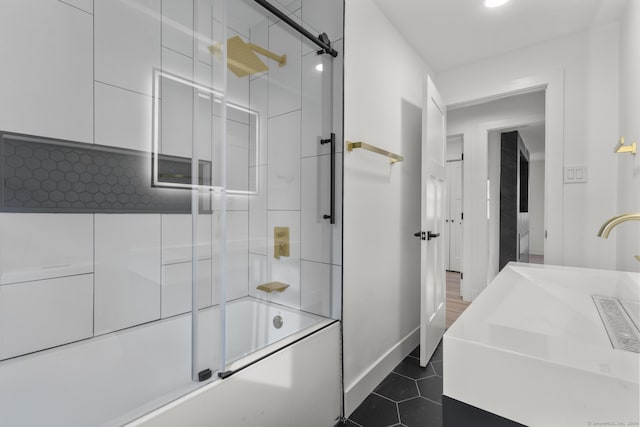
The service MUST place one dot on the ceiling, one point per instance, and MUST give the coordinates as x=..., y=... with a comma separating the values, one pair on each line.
x=451, y=33
x=533, y=135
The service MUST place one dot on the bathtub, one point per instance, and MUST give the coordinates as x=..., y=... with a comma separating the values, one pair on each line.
x=118, y=377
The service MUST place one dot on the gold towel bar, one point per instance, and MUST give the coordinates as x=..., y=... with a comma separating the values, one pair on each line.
x=393, y=158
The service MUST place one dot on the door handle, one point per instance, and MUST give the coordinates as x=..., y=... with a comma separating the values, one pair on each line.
x=431, y=235
x=421, y=234
x=332, y=140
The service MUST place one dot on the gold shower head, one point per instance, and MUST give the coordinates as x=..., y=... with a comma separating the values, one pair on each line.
x=240, y=57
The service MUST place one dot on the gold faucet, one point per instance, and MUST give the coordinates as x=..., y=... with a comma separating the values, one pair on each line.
x=611, y=223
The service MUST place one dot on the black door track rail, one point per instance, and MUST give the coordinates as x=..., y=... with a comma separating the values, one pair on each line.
x=322, y=40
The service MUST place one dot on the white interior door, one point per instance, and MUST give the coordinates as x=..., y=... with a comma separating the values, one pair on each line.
x=432, y=268
x=455, y=215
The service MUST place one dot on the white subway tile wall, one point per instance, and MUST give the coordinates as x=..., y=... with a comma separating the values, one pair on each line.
x=316, y=231
x=127, y=270
x=257, y=275
x=258, y=214
x=122, y=118
x=284, y=82
x=176, y=287
x=107, y=272
x=177, y=26
x=45, y=313
x=316, y=293
x=127, y=43
x=47, y=86
x=44, y=246
x=237, y=254
x=283, y=182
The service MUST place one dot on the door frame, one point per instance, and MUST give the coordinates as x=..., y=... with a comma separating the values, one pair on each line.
x=483, y=138
x=474, y=232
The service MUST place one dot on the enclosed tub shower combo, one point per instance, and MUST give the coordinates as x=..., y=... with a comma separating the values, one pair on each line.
x=170, y=198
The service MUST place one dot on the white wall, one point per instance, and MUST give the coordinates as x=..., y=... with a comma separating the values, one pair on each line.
x=536, y=206
x=381, y=202
x=455, y=147
x=494, y=163
x=467, y=121
x=589, y=112
x=627, y=236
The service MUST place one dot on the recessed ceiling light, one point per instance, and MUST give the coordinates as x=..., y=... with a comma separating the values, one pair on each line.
x=319, y=67
x=494, y=3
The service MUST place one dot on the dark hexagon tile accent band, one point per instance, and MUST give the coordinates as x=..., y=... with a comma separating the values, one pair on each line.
x=48, y=175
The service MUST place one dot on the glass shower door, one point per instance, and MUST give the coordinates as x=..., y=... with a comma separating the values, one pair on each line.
x=280, y=265
x=279, y=212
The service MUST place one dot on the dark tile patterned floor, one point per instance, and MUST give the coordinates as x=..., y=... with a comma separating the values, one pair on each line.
x=409, y=396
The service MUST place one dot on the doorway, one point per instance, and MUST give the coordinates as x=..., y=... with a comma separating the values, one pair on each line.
x=474, y=122
x=528, y=209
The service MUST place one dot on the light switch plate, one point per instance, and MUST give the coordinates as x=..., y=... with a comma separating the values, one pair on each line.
x=575, y=174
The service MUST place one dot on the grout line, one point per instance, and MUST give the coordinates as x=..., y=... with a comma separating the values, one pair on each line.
x=47, y=278
x=161, y=265
x=318, y=155
x=413, y=379
x=93, y=312
x=175, y=51
x=76, y=7
x=93, y=69
x=122, y=88
x=284, y=113
x=384, y=397
x=429, y=400
x=300, y=172
x=408, y=399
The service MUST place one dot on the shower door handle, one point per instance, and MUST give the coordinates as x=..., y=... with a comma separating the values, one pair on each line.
x=332, y=140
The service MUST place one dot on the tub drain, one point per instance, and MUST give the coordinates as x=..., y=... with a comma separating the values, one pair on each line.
x=277, y=321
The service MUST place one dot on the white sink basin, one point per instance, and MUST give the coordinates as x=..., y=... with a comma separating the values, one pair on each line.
x=532, y=348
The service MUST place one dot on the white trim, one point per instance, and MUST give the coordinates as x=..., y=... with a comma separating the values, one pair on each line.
x=359, y=389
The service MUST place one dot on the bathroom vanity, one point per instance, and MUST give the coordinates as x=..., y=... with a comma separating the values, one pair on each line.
x=533, y=349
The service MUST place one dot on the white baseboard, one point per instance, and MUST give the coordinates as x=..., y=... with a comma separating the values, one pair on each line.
x=359, y=389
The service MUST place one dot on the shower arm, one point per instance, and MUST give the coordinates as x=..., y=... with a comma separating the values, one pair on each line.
x=322, y=40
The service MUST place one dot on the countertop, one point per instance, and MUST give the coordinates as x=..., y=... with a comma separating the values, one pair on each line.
x=532, y=348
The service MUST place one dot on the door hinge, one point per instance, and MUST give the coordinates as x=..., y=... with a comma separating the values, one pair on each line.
x=461, y=215
x=461, y=276
x=462, y=156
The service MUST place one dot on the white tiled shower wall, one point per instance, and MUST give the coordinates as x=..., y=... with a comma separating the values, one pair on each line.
x=82, y=70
